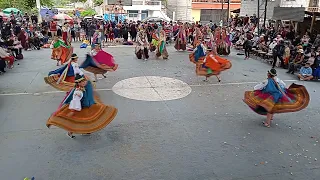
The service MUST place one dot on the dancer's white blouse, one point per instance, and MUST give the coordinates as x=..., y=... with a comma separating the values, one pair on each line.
x=76, y=68
x=264, y=83
x=75, y=103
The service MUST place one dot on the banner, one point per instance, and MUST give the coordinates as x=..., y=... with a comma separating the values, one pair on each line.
x=289, y=13
x=112, y=17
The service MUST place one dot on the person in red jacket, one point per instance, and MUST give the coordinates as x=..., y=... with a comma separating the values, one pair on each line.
x=53, y=28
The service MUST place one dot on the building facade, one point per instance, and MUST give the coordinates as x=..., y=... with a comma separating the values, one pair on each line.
x=142, y=9
x=139, y=10
x=215, y=10
x=179, y=10
x=250, y=7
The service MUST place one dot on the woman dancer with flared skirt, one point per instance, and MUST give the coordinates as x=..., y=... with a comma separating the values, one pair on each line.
x=63, y=78
x=81, y=112
x=99, y=62
x=272, y=97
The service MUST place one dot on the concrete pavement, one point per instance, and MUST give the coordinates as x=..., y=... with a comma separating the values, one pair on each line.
x=210, y=134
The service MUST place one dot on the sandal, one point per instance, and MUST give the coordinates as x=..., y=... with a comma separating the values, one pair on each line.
x=266, y=124
x=70, y=135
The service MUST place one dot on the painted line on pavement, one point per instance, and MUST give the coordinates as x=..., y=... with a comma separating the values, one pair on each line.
x=235, y=83
x=108, y=89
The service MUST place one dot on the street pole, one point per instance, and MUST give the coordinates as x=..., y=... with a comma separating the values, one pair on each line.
x=222, y=15
x=265, y=14
x=228, y=15
x=39, y=9
x=258, y=24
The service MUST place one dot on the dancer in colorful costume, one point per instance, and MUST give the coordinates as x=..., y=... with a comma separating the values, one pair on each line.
x=271, y=97
x=226, y=44
x=212, y=65
x=181, y=41
x=99, y=62
x=154, y=39
x=141, y=50
x=209, y=39
x=199, y=52
x=218, y=41
x=197, y=36
x=60, y=51
x=81, y=111
x=66, y=33
x=160, y=42
x=63, y=78
x=96, y=38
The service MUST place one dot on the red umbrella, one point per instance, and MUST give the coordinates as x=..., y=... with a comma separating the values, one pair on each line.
x=61, y=17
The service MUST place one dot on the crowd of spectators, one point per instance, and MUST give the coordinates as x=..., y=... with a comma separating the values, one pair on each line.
x=284, y=46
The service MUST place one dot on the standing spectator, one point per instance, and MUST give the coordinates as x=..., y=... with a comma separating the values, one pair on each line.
x=34, y=18
x=1, y=22
x=91, y=31
x=133, y=32
x=246, y=20
x=53, y=29
x=247, y=45
x=316, y=42
x=316, y=65
x=77, y=30
x=290, y=34
x=59, y=31
x=26, y=17
x=278, y=52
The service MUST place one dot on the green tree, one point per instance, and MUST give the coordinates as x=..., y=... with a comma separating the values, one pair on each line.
x=19, y=4
x=24, y=5
x=74, y=1
x=98, y=2
x=88, y=12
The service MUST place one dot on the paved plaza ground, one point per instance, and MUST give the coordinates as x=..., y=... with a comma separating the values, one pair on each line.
x=170, y=126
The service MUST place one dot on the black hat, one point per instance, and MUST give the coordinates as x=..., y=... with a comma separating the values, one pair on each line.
x=79, y=78
x=74, y=56
x=273, y=72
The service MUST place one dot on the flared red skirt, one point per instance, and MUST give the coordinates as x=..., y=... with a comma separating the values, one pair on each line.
x=88, y=120
x=63, y=85
x=295, y=99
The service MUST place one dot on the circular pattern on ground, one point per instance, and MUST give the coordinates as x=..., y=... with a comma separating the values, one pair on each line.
x=152, y=88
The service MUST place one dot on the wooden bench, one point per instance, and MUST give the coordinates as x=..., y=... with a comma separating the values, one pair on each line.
x=262, y=54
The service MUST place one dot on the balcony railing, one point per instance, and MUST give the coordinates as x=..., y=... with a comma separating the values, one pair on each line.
x=149, y=3
x=313, y=9
x=215, y=1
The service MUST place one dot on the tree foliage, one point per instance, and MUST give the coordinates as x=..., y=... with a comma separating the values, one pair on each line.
x=88, y=12
x=19, y=4
x=98, y=2
x=24, y=5
x=75, y=1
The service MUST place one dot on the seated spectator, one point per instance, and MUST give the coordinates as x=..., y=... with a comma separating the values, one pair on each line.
x=305, y=73
x=4, y=55
x=296, y=63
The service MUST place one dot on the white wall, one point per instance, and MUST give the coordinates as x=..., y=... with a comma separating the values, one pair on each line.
x=296, y=3
x=250, y=8
x=182, y=8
